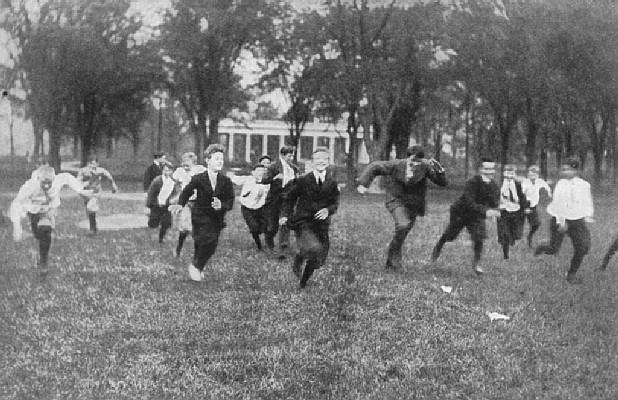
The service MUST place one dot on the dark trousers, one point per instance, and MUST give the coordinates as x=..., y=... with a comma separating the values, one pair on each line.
x=160, y=217
x=580, y=237
x=42, y=233
x=313, y=245
x=256, y=222
x=404, y=219
x=457, y=222
x=610, y=253
x=534, y=222
x=510, y=229
x=272, y=213
x=205, y=239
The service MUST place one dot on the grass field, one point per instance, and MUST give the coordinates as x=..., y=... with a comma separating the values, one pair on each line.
x=117, y=317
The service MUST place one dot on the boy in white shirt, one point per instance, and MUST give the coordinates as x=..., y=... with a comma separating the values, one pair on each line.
x=512, y=204
x=91, y=176
x=571, y=209
x=188, y=168
x=39, y=199
x=252, y=199
x=532, y=187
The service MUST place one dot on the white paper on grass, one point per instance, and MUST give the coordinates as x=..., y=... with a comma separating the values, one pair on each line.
x=497, y=316
x=446, y=289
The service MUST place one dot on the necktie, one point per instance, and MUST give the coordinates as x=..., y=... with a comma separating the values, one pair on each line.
x=320, y=182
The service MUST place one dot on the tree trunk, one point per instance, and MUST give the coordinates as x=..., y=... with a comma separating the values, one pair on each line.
x=37, y=129
x=543, y=157
x=467, y=143
x=213, y=130
x=55, y=140
x=531, y=135
x=75, y=145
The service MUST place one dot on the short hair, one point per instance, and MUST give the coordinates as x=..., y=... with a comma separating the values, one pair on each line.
x=287, y=150
x=158, y=154
x=485, y=159
x=321, y=149
x=264, y=157
x=533, y=168
x=510, y=167
x=46, y=173
x=572, y=162
x=256, y=166
x=416, y=151
x=189, y=155
x=5, y=92
x=92, y=157
x=212, y=149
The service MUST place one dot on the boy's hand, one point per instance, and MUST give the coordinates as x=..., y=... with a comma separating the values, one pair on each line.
x=216, y=203
x=589, y=220
x=562, y=226
x=114, y=188
x=322, y=214
x=361, y=189
x=175, y=208
x=278, y=176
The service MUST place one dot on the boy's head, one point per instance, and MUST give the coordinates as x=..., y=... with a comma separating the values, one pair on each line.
x=92, y=161
x=258, y=172
x=510, y=171
x=320, y=159
x=41, y=159
x=5, y=93
x=569, y=168
x=415, y=153
x=287, y=153
x=46, y=177
x=214, y=155
x=265, y=160
x=487, y=168
x=188, y=160
x=533, y=172
x=167, y=169
x=158, y=157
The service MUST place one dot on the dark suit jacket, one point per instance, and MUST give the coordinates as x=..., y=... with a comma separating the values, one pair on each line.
x=303, y=198
x=399, y=190
x=276, y=189
x=153, y=193
x=477, y=197
x=202, y=211
x=152, y=172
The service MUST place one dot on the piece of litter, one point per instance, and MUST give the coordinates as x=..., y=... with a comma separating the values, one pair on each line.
x=446, y=289
x=494, y=316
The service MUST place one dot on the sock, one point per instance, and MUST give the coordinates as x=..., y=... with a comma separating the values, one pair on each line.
x=44, y=236
x=256, y=238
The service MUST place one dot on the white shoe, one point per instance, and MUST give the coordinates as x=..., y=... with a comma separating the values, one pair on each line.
x=194, y=273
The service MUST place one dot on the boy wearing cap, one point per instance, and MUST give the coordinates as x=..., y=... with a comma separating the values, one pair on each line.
x=39, y=199
x=405, y=193
x=265, y=160
x=309, y=202
x=512, y=205
x=252, y=199
x=188, y=169
x=91, y=176
x=278, y=176
x=571, y=209
x=532, y=187
x=479, y=200
x=215, y=197
x=161, y=194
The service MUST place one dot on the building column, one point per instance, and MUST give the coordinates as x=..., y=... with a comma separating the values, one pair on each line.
x=331, y=149
x=230, y=147
x=265, y=144
x=248, y=148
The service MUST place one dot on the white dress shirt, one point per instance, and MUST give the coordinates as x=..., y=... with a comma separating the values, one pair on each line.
x=166, y=190
x=509, y=200
x=212, y=176
x=532, y=190
x=288, y=173
x=252, y=193
x=572, y=200
x=319, y=176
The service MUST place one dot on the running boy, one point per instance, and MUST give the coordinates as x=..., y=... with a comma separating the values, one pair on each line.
x=478, y=201
x=91, y=175
x=571, y=209
x=532, y=187
x=162, y=191
x=252, y=199
x=511, y=206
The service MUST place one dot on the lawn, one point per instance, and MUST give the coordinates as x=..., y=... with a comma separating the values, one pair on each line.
x=118, y=318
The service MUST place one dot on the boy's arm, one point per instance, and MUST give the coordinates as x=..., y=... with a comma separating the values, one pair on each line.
x=109, y=176
x=271, y=174
x=227, y=200
x=290, y=195
x=187, y=192
x=437, y=174
x=374, y=169
x=153, y=192
x=588, y=204
x=334, y=201
x=470, y=198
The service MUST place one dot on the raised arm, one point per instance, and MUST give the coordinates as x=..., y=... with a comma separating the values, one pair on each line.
x=436, y=174
x=376, y=168
x=110, y=178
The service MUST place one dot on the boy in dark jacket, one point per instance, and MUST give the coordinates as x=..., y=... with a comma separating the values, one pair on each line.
x=310, y=200
x=160, y=193
x=405, y=193
x=215, y=197
x=478, y=201
x=512, y=204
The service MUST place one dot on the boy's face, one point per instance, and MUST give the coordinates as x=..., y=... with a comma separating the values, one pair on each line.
x=509, y=174
x=288, y=157
x=258, y=173
x=488, y=170
x=187, y=163
x=215, y=162
x=321, y=160
x=414, y=160
x=46, y=184
x=265, y=162
x=568, y=172
x=532, y=175
x=93, y=163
